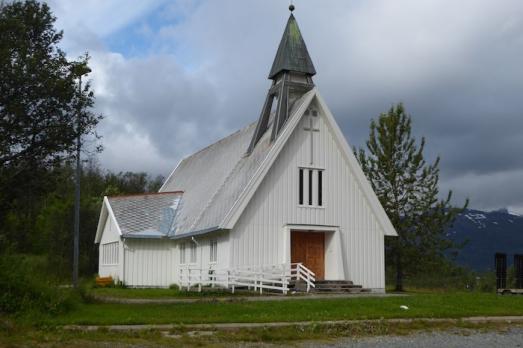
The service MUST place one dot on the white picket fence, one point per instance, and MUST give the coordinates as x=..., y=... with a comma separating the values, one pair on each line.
x=274, y=277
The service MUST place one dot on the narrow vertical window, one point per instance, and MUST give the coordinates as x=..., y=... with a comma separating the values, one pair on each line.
x=310, y=186
x=213, y=250
x=182, y=253
x=320, y=187
x=301, y=187
x=193, y=252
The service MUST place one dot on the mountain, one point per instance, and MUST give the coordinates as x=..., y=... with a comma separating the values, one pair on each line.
x=487, y=233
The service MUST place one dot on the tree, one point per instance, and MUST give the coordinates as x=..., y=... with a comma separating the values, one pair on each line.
x=39, y=105
x=407, y=187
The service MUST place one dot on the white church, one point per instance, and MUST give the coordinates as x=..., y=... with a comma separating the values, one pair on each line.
x=281, y=202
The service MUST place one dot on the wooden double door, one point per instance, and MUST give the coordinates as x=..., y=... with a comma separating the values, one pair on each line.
x=309, y=249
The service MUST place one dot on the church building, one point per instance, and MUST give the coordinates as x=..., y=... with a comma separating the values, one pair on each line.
x=281, y=201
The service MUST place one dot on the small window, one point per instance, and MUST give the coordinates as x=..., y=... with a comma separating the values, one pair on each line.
x=182, y=253
x=109, y=253
x=320, y=188
x=213, y=252
x=310, y=186
x=301, y=187
x=193, y=253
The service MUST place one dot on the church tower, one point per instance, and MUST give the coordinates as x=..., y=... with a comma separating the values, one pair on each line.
x=291, y=75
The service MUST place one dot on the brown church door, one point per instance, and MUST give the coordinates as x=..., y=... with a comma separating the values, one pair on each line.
x=309, y=249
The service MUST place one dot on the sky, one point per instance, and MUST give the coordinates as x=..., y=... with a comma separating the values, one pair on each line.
x=171, y=77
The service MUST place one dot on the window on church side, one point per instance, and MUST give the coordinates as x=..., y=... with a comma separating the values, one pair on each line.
x=213, y=252
x=182, y=253
x=310, y=191
x=110, y=253
x=193, y=252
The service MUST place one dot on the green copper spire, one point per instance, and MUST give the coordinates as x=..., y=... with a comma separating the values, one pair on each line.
x=292, y=53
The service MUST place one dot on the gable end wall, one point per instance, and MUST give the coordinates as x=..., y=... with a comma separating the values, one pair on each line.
x=110, y=235
x=258, y=237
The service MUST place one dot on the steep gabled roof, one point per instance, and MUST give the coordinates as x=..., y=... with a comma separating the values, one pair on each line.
x=219, y=181
x=214, y=178
x=292, y=54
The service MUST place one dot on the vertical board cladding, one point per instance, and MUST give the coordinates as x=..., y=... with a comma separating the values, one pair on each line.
x=149, y=262
x=258, y=237
x=156, y=262
x=110, y=236
x=203, y=251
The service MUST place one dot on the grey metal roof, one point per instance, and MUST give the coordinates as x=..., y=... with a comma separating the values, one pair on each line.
x=292, y=54
x=212, y=179
x=142, y=215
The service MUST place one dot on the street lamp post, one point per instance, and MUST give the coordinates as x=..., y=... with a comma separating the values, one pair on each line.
x=78, y=70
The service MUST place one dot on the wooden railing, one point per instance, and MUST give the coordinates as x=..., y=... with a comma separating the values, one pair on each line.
x=274, y=277
x=303, y=273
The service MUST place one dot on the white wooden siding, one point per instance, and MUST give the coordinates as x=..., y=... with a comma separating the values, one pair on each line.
x=110, y=235
x=155, y=263
x=257, y=237
x=150, y=262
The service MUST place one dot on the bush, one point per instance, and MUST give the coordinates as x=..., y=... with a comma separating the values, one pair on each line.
x=24, y=287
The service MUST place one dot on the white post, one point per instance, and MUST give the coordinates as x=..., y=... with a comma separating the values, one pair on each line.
x=308, y=281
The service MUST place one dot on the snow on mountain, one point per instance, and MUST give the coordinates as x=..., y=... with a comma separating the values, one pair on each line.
x=487, y=233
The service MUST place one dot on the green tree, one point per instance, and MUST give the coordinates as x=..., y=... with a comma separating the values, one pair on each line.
x=407, y=187
x=51, y=235
x=40, y=101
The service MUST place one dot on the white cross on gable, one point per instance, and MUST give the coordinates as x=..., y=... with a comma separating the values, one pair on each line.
x=311, y=129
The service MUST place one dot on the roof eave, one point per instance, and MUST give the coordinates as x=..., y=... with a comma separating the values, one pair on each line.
x=197, y=233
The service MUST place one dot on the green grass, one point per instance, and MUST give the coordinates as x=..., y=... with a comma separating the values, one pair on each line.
x=421, y=305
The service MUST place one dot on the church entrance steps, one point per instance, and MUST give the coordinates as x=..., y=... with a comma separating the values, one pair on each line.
x=332, y=286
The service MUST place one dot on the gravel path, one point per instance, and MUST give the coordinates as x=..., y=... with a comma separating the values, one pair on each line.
x=235, y=326
x=456, y=338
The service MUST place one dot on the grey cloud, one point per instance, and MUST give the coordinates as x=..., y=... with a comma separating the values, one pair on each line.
x=455, y=65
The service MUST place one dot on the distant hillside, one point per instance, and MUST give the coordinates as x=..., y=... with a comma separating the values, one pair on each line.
x=488, y=233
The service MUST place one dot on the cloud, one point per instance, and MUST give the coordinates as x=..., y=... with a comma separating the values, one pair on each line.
x=198, y=71
x=152, y=105
x=489, y=191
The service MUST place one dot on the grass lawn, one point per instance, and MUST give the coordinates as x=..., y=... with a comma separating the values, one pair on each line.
x=421, y=305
